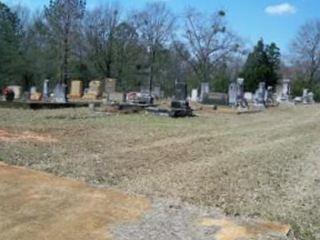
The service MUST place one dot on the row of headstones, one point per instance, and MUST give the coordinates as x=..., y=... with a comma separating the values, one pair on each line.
x=285, y=95
x=307, y=97
x=59, y=95
x=236, y=95
x=262, y=97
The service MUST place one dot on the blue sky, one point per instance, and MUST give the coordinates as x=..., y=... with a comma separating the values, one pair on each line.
x=274, y=20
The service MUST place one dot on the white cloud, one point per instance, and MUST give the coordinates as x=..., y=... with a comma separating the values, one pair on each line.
x=281, y=9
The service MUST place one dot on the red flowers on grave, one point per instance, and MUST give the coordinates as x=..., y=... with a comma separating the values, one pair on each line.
x=8, y=94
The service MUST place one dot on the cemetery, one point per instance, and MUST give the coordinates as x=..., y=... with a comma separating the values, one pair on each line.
x=217, y=159
x=223, y=151
x=159, y=120
x=198, y=147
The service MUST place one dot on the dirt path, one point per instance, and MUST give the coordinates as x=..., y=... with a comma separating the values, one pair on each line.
x=35, y=205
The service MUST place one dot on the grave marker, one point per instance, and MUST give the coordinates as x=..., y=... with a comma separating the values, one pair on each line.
x=76, y=89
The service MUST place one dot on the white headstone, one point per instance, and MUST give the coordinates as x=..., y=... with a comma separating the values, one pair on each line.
x=33, y=90
x=17, y=91
x=233, y=89
x=205, y=90
x=248, y=96
x=60, y=93
x=260, y=95
x=46, y=90
x=285, y=91
x=194, y=95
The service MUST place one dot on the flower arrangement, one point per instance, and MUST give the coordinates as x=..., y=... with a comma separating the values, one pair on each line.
x=8, y=94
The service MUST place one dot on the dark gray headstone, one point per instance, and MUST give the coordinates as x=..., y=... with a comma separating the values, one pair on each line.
x=181, y=91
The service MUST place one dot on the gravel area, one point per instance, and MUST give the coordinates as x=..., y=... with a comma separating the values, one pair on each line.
x=170, y=220
x=174, y=220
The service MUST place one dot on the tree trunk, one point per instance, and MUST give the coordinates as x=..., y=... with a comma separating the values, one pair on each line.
x=153, y=59
x=66, y=58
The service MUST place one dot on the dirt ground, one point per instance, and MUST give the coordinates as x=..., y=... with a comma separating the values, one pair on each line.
x=34, y=206
x=263, y=165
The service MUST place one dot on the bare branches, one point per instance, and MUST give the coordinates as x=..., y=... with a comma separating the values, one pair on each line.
x=101, y=25
x=154, y=24
x=208, y=41
x=306, y=49
x=63, y=18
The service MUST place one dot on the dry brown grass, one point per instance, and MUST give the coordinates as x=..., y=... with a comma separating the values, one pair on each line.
x=263, y=165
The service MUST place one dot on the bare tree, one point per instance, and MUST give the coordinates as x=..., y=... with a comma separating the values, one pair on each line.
x=24, y=15
x=306, y=50
x=101, y=25
x=209, y=42
x=127, y=54
x=63, y=22
x=154, y=24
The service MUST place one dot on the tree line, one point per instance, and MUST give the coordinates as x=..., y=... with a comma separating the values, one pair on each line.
x=65, y=40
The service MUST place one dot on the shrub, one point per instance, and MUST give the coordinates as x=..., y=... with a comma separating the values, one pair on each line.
x=298, y=86
x=316, y=91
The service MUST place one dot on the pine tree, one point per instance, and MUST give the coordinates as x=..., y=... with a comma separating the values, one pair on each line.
x=10, y=55
x=262, y=65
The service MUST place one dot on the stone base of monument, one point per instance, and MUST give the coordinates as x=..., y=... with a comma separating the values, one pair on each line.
x=178, y=109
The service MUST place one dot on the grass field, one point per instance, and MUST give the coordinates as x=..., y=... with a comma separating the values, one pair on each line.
x=263, y=165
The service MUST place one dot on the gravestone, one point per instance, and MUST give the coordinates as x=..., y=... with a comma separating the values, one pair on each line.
x=232, y=93
x=110, y=85
x=76, y=89
x=236, y=94
x=59, y=93
x=181, y=92
x=311, y=97
x=156, y=92
x=94, y=91
x=45, y=95
x=284, y=92
x=248, y=96
x=205, y=90
x=286, y=88
x=34, y=94
x=33, y=90
x=17, y=91
x=179, y=105
x=216, y=98
x=270, y=97
x=194, y=95
x=261, y=95
x=307, y=97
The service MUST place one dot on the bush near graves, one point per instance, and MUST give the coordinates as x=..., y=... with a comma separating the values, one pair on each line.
x=316, y=91
x=298, y=86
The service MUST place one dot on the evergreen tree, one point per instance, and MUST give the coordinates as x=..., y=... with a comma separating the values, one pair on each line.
x=10, y=55
x=262, y=65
